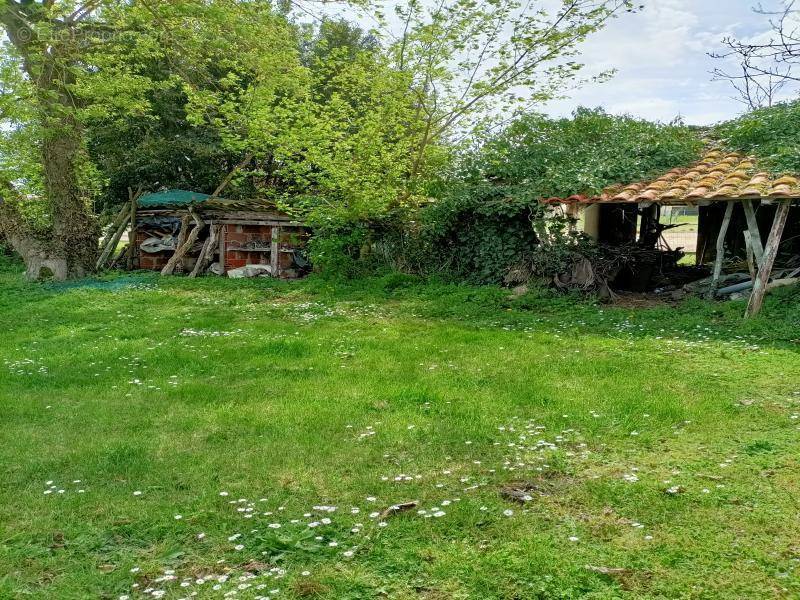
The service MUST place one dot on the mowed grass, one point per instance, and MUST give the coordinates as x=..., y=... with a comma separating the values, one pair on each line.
x=184, y=438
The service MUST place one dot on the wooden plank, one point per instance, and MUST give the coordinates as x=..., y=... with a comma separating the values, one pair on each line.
x=182, y=249
x=207, y=253
x=273, y=255
x=720, y=257
x=752, y=229
x=770, y=254
x=111, y=245
x=751, y=261
x=134, y=200
x=222, y=249
x=123, y=213
x=244, y=162
x=232, y=220
x=198, y=265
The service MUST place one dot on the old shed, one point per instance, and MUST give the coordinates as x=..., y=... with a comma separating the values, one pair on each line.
x=183, y=231
x=743, y=211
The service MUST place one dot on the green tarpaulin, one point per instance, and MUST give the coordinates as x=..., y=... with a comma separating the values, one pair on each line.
x=171, y=198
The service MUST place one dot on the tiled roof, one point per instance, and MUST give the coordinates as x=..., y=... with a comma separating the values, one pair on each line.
x=718, y=176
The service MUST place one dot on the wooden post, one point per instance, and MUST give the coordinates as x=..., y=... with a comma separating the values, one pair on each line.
x=121, y=216
x=207, y=252
x=718, y=260
x=111, y=244
x=770, y=254
x=182, y=249
x=247, y=158
x=649, y=231
x=573, y=213
x=751, y=262
x=274, y=259
x=223, y=230
x=752, y=228
x=134, y=198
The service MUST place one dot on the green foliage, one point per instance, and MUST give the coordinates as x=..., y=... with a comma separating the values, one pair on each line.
x=339, y=252
x=772, y=134
x=540, y=157
x=491, y=219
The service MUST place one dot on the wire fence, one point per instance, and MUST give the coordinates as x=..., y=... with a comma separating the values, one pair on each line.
x=687, y=240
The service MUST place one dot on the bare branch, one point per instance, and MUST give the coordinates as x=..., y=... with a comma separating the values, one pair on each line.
x=765, y=69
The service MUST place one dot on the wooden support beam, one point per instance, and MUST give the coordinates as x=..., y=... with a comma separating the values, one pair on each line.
x=222, y=249
x=229, y=177
x=207, y=252
x=752, y=230
x=274, y=259
x=182, y=249
x=111, y=244
x=751, y=261
x=720, y=257
x=770, y=254
x=134, y=200
x=649, y=231
x=123, y=213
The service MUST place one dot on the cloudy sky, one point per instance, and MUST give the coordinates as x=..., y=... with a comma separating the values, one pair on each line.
x=662, y=62
x=661, y=57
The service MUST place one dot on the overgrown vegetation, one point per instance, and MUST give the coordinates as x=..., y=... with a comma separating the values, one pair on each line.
x=340, y=126
x=652, y=443
x=489, y=218
x=772, y=134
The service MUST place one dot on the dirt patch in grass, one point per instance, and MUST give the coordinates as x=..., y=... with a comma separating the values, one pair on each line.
x=524, y=491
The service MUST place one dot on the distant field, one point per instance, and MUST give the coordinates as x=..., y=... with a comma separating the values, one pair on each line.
x=687, y=222
x=163, y=438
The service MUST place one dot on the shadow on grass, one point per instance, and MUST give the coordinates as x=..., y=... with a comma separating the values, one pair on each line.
x=540, y=309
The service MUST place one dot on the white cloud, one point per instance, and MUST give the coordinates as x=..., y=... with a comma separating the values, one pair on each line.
x=662, y=62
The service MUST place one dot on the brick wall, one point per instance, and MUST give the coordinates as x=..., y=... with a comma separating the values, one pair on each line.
x=146, y=260
x=236, y=235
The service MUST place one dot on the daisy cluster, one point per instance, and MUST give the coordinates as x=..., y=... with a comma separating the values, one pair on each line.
x=525, y=452
x=189, y=332
x=26, y=366
x=58, y=490
x=343, y=532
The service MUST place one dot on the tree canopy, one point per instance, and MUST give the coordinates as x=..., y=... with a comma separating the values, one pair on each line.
x=339, y=125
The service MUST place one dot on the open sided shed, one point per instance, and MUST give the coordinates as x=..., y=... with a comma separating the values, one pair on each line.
x=739, y=205
x=183, y=231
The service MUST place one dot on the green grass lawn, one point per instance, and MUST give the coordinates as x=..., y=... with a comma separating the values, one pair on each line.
x=215, y=438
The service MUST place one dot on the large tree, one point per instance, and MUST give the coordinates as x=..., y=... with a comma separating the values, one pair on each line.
x=45, y=41
x=68, y=66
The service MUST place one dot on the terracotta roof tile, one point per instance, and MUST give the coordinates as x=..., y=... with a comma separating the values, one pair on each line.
x=717, y=176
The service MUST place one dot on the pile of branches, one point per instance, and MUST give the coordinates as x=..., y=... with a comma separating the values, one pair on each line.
x=598, y=268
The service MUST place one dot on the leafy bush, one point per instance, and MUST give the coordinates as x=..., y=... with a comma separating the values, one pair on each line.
x=341, y=251
x=490, y=220
x=772, y=134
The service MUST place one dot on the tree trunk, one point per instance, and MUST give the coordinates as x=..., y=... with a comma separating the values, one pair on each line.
x=40, y=261
x=75, y=231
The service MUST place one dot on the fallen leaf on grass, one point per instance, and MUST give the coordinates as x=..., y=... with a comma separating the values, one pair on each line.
x=608, y=570
x=398, y=508
x=522, y=491
x=255, y=566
